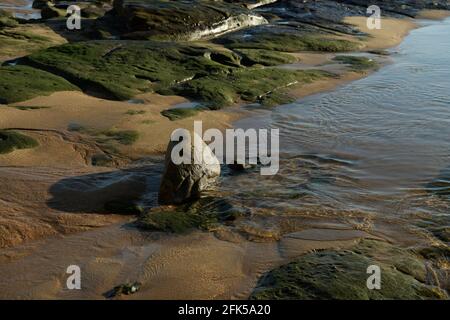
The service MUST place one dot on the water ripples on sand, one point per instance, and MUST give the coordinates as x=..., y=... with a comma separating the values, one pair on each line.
x=375, y=145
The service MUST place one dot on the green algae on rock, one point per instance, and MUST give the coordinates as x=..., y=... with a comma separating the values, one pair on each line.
x=264, y=57
x=7, y=20
x=12, y=140
x=180, y=113
x=286, y=39
x=121, y=70
x=19, y=83
x=358, y=64
x=202, y=214
x=249, y=85
x=342, y=274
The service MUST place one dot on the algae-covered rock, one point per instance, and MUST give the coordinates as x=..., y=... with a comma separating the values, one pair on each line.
x=179, y=113
x=123, y=69
x=286, y=39
x=358, y=64
x=12, y=140
x=250, y=85
x=264, y=57
x=19, y=83
x=7, y=20
x=343, y=275
x=204, y=214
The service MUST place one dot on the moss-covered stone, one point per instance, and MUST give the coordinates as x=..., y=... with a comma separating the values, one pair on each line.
x=179, y=113
x=12, y=140
x=29, y=108
x=284, y=39
x=121, y=70
x=342, y=275
x=264, y=57
x=23, y=39
x=19, y=83
x=358, y=64
x=203, y=214
x=250, y=85
x=7, y=20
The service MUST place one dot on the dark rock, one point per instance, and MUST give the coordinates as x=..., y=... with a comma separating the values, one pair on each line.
x=126, y=289
x=342, y=275
x=180, y=20
x=49, y=12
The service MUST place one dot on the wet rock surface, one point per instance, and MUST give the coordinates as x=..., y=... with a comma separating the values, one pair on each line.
x=343, y=274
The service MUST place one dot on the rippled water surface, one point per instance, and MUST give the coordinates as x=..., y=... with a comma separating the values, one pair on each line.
x=22, y=9
x=377, y=146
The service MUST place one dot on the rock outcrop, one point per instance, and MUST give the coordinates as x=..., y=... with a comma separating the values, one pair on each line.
x=181, y=20
x=183, y=182
x=342, y=275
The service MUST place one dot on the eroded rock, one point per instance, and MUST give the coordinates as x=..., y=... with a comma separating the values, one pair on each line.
x=184, y=182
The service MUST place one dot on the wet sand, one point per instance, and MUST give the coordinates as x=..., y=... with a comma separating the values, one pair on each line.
x=54, y=199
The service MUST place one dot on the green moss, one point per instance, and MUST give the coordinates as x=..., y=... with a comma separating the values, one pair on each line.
x=123, y=69
x=7, y=20
x=11, y=140
x=27, y=108
x=264, y=57
x=18, y=83
x=125, y=137
x=22, y=40
x=358, y=64
x=203, y=214
x=435, y=252
x=171, y=221
x=179, y=113
x=288, y=42
x=22, y=35
x=250, y=85
x=342, y=275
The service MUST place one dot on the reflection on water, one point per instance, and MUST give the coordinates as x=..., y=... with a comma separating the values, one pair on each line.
x=372, y=146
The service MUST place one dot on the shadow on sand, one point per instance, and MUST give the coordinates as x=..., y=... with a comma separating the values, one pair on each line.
x=127, y=191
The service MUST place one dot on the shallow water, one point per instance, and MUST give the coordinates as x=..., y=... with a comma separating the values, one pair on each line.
x=372, y=146
x=22, y=9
